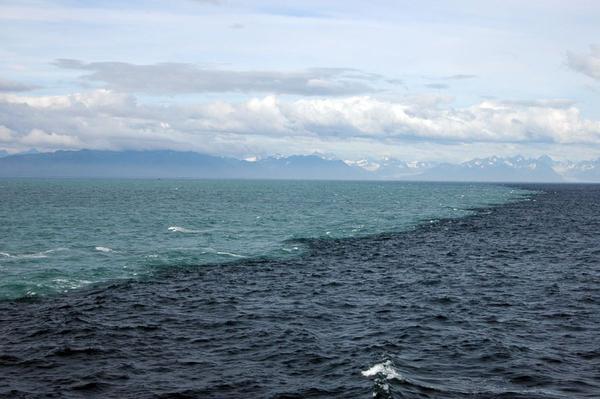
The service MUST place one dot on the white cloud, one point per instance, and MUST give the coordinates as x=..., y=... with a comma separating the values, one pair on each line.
x=105, y=119
x=6, y=135
x=36, y=138
x=39, y=138
x=487, y=121
x=588, y=64
x=97, y=99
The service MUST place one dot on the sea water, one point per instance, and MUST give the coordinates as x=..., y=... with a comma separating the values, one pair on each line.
x=58, y=235
x=395, y=291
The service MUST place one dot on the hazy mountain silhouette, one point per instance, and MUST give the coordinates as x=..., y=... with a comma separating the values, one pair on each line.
x=580, y=171
x=496, y=169
x=175, y=164
x=171, y=164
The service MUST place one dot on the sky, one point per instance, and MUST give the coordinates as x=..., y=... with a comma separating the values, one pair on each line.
x=429, y=80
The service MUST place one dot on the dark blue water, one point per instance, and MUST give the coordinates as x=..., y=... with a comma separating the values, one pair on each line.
x=504, y=303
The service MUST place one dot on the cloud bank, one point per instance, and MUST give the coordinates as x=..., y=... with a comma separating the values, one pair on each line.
x=105, y=119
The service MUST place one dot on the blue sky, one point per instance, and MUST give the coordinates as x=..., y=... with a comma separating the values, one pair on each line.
x=427, y=80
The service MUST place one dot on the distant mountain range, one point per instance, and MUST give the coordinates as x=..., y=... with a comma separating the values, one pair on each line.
x=491, y=169
x=497, y=169
x=174, y=164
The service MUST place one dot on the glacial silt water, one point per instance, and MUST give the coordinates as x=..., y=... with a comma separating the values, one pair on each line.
x=58, y=235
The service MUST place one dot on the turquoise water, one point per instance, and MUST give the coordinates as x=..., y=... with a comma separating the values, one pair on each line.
x=58, y=235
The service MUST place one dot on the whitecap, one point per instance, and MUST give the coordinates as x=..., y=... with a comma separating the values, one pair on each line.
x=230, y=254
x=385, y=369
x=178, y=229
x=67, y=284
x=103, y=249
x=59, y=249
x=37, y=255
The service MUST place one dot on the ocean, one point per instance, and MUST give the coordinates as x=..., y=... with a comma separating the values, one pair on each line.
x=60, y=235
x=298, y=289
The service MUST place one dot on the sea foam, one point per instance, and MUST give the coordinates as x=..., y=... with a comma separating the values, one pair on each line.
x=182, y=230
x=230, y=254
x=37, y=255
x=385, y=369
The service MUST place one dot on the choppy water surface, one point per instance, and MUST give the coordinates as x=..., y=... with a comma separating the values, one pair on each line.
x=58, y=235
x=503, y=303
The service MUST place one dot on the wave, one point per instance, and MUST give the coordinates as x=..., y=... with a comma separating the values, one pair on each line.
x=104, y=249
x=230, y=254
x=385, y=369
x=177, y=229
x=383, y=372
x=59, y=249
x=293, y=249
x=36, y=255
x=63, y=283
